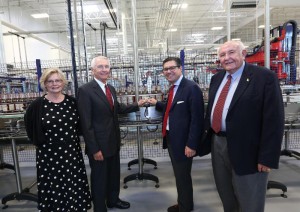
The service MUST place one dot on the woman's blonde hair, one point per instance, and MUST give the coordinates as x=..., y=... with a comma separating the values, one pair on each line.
x=48, y=72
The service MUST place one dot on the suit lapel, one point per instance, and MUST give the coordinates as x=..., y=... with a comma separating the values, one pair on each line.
x=214, y=88
x=178, y=92
x=243, y=84
x=97, y=89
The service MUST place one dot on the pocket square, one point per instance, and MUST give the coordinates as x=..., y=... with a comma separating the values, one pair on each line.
x=179, y=102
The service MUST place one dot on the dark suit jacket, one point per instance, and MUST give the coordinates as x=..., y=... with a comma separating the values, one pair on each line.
x=100, y=125
x=185, y=118
x=255, y=119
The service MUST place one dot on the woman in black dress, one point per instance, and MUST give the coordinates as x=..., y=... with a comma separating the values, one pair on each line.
x=52, y=124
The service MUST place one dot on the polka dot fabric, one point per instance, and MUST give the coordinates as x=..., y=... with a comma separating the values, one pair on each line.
x=62, y=179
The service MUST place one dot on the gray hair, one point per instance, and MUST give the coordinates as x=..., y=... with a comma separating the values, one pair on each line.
x=93, y=62
x=237, y=43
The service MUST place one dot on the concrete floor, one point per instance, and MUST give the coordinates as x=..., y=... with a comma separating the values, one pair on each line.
x=144, y=196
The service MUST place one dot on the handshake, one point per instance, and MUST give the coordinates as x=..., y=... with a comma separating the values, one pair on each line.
x=147, y=102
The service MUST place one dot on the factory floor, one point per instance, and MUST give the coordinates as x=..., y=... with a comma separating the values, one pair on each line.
x=144, y=196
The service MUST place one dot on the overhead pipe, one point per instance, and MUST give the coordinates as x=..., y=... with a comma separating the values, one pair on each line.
x=228, y=21
x=118, y=24
x=77, y=37
x=267, y=34
x=25, y=53
x=38, y=32
x=21, y=31
x=20, y=53
x=72, y=48
x=124, y=30
x=111, y=11
x=135, y=49
x=3, y=67
x=84, y=43
x=103, y=38
x=95, y=32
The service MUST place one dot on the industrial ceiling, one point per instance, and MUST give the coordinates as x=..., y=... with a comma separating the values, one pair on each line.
x=162, y=25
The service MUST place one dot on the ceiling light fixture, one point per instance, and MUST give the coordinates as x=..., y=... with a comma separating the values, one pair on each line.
x=90, y=8
x=216, y=28
x=236, y=39
x=197, y=35
x=172, y=30
x=106, y=11
x=263, y=26
x=182, y=6
x=40, y=15
x=74, y=36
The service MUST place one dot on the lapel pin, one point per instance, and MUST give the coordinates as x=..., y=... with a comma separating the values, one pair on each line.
x=247, y=79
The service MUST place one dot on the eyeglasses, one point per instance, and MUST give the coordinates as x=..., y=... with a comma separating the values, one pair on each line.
x=171, y=68
x=57, y=81
x=103, y=67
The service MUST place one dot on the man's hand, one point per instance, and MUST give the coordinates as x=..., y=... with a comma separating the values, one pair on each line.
x=189, y=152
x=152, y=101
x=141, y=102
x=262, y=168
x=98, y=156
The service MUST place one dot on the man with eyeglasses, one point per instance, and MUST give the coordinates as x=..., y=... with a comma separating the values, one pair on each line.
x=182, y=129
x=98, y=110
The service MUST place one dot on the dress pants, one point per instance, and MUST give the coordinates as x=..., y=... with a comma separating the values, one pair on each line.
x=105, y=181
x=184, y=185
x=238, y=193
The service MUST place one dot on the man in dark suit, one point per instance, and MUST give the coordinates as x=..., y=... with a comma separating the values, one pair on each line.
x=98, y=109
x=182, y=128
x=246, y=133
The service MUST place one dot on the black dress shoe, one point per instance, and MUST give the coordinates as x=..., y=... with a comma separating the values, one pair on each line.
x=174, y=208
x=119, y=204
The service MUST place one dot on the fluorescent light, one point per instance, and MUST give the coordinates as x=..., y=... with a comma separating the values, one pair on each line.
x=90, y=8
x=219, y=11
x=90, y=47
x=263, y=26
x=183, y=6
x=197, y=35
x=199, y=41
x=119, y=33
x=236, y=39
x=74, y=36
x=40, y=15
x=106, y=11
x=172, y=30
x=216, y=28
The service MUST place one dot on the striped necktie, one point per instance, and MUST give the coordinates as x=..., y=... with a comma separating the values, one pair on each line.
x=217, y=116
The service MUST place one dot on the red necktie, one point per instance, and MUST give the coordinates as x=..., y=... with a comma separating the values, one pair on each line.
x=217, y=116
x=109, y=97
x=170, y=99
